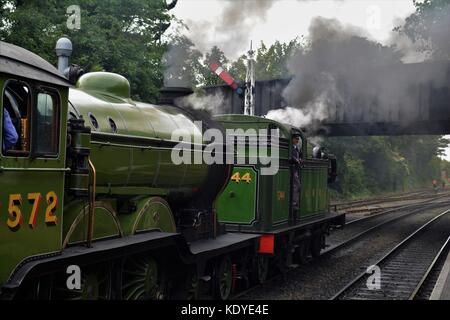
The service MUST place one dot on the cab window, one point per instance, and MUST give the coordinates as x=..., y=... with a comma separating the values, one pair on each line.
x=30, y=120
x=46, y=124
x=16, y=98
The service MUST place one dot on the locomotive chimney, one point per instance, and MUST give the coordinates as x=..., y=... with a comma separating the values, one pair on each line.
x=169, y=94
x=63, y=51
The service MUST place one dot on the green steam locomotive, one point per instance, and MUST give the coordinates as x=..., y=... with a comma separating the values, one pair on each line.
x=90, y=189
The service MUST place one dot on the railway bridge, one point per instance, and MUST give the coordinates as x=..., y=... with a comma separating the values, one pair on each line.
x=401, y=99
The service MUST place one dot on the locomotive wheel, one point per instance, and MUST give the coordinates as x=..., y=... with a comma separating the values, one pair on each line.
x=34, y=289
x=186, y=287
x=143, y=279
x=96, y=284
x=302, y=251
x=262, y=268
x=223, y=279
x=316, y=245
x=194, y=287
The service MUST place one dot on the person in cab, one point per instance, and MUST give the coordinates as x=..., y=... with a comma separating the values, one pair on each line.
x=10, y=136
x=296, y=161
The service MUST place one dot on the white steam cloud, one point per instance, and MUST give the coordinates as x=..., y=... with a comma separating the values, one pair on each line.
x=231, y=30
x=345, y=76
x=212, y=103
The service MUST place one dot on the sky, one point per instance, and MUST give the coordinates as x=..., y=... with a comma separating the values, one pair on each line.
x=285, y=20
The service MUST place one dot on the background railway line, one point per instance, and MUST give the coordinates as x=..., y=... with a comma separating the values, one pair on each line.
x=344, y=259
x=348, y=206
x=405, y=268
x=357, y=228
x=360, y=208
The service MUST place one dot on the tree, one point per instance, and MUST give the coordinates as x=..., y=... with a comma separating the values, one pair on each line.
x=372, y=165
x=215, y=55
x=115, y=36
x=428, y=27
x=271, y=62
x=238, y=68
x=183, y=67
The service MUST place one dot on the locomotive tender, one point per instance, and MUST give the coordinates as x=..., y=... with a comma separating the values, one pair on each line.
x=91, y=184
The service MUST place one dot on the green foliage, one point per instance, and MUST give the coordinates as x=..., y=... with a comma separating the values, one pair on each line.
x=115, y=36
x=373, y=165
x=271, y=62
x=428, y=26
x=215, y=55
x=353, y=174
x=182, y=62
x=239, y=68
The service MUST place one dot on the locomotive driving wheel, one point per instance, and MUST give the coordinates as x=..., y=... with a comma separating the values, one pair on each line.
x=223, y=278
x=34, y=289
x=143, y=279
x=186, y=285
x=193, y=287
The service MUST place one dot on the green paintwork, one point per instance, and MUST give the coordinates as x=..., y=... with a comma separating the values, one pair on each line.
x=151, y=214
x=273, y=195
x=133, y=163
x=106, y=224
x=237, y=204
x=154, y=213
x=280, y=203
x=23, y=176
x=120, y=159
x=116, y=86
x=314, y=195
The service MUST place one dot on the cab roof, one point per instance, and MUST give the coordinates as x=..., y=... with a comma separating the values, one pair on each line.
x=15, y=60
x=242, y=119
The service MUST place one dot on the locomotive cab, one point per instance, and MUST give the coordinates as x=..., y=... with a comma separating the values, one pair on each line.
x=256, y=203
x=32, y=170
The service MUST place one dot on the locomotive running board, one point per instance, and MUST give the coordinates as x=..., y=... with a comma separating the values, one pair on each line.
x=203, y=250
x=103, y=250
x=116, y=248
x=222, y=244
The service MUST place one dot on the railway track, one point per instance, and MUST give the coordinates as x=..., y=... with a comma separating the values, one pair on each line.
x=425, y=287
x=363, y=205
x=360, y=228
x=406, y=268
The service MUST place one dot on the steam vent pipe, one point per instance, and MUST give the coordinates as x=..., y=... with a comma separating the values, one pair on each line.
x=63, y=51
